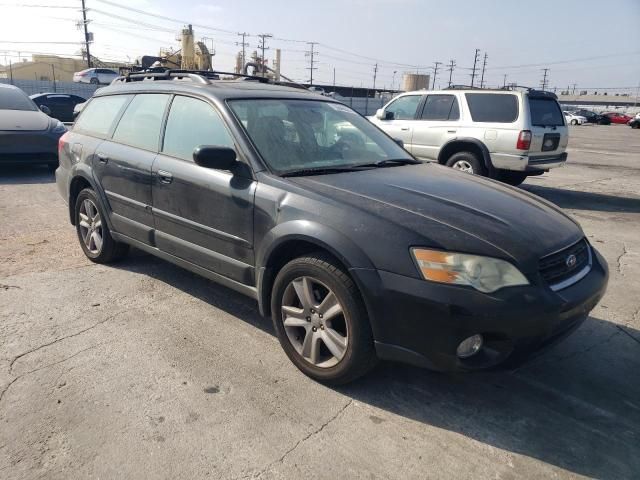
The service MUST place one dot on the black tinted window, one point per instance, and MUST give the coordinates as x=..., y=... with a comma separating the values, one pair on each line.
x=191, y=123
x=492, y=107
x=13, y=99
x=441, y=107
x=141, y=122
x=545, y=111
x=100, y=114
x=404, y=108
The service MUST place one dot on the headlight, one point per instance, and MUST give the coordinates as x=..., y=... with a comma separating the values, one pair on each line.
x=59, y=127
x=482, y=273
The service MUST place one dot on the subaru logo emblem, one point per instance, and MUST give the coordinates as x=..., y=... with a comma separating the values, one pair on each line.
x=571, y=261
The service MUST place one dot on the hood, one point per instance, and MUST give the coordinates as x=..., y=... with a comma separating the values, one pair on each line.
x=23, y=120
x=454, y=211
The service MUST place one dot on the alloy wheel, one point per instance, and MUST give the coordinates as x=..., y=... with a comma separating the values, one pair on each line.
x=91, y=226
x=315, y=322
x=463, y=166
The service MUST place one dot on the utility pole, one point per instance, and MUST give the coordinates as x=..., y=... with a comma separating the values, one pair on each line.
x=544, y=82
x=504, y=82
x=375, y=74
x=334, y=77
x=475, y=61
x=484, y=65
x=86, y=34
x=452, y=65
x=435, y=74
x=393, y=81
x=243, y=44
x=573, y=92
x=311, y=54
x=262, y=46
x=53, y=72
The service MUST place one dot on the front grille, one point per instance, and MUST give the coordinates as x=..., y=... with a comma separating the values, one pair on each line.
x=556, y=268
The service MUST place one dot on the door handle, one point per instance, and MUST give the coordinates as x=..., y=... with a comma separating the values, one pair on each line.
x=103, y=158
x=451, y=131
x=165, y=177
x=405, y=129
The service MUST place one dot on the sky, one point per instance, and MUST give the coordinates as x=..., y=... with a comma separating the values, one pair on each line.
x=593, y=44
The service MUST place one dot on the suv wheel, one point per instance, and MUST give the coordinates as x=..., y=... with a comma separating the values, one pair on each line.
x=466, y=162
x=321, y=321
x=93, y=232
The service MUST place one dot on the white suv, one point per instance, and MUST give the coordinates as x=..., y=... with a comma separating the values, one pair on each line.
x=503, y=134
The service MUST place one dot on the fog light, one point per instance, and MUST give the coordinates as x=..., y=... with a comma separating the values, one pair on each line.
x=469, y=346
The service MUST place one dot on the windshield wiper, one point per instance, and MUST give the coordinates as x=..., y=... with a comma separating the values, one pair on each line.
x=390, y=162
x=323, y=171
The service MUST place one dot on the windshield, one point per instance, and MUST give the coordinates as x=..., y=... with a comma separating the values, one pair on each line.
x=12, y=99
x=296, y=135
x=545, y=112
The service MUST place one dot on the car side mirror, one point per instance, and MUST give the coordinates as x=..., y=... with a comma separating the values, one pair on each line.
x=45, y=109
x=381, y=114
x=215, y=157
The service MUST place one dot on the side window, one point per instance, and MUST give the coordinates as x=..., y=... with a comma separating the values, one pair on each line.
x=192, y=123
x=140, y=125
x=404, y=108
x=492, y=107
x=441, y=107
x=99, y=114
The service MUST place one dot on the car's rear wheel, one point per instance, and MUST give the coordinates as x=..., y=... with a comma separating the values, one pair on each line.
x=466, y=162
x=574, y=122
x=512, y=178
x=93, y=232
x=94, y=81
x=321, y=321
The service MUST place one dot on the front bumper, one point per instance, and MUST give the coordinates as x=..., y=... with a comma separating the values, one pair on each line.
x=528, y=163
x=422, y=323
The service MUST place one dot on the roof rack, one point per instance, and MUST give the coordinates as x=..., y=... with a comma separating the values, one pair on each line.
x=199, y=76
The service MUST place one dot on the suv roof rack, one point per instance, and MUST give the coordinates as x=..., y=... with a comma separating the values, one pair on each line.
x=199, y=76
x=512, y=87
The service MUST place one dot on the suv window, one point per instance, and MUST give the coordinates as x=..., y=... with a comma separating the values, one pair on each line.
x=140, y=125
x=404, y=108
x=492, y=107
x=99, y=115
x=546, y=111
x=441, y=107
x=191, y=123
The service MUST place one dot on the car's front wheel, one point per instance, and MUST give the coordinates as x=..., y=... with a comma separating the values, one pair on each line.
x=94, y=81
x=574, y=122
x=321, y=320
x=93, y=232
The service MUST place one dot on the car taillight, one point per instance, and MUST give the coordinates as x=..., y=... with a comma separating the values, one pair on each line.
x=524, y=140
x=62, y=141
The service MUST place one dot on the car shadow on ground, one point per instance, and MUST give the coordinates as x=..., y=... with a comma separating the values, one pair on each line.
x=577, y=407
x=25, y=174
x=579, y=200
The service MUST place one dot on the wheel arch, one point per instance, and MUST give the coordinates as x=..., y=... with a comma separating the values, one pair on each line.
x=81, y=179
x=465, y=144
x=296, y=238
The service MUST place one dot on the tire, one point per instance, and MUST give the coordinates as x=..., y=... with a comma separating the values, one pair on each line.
x=466, y=162
x=300, y=325
x=94, y=81
x=512, y=178
x=574, y=122
x=90, y=221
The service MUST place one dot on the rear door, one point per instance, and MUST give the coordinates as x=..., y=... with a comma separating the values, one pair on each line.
x=436, y=125
x=549, y=135
x=403, y=112
x=123, y=165
x=202, y=215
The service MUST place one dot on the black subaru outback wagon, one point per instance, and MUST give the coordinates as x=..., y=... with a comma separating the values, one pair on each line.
x=355, y=249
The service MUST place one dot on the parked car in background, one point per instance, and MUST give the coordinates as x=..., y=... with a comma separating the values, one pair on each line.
x=60, y=105
x=501, y=134
x=635, y=121
x=318, y=90
x=97, y=76
x=355, y=249
x=27, y=134
x=573, y=119
x=619, y=118
x=593, y=117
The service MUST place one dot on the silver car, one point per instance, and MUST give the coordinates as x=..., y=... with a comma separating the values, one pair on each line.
x=96, y=76
x=502, y=134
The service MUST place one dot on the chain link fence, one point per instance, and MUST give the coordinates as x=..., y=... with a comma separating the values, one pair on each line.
x=31, y=87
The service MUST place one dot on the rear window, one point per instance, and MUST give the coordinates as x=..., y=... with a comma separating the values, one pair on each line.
x=12, y=99
x=100, y=114
x=545, y=112
x=492, y=107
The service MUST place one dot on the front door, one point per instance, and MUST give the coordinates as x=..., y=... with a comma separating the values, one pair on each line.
x=202, y=215
x=401, y=114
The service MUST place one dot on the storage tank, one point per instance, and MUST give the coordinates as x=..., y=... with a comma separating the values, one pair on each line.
x=188, y=49
x=415, y=81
